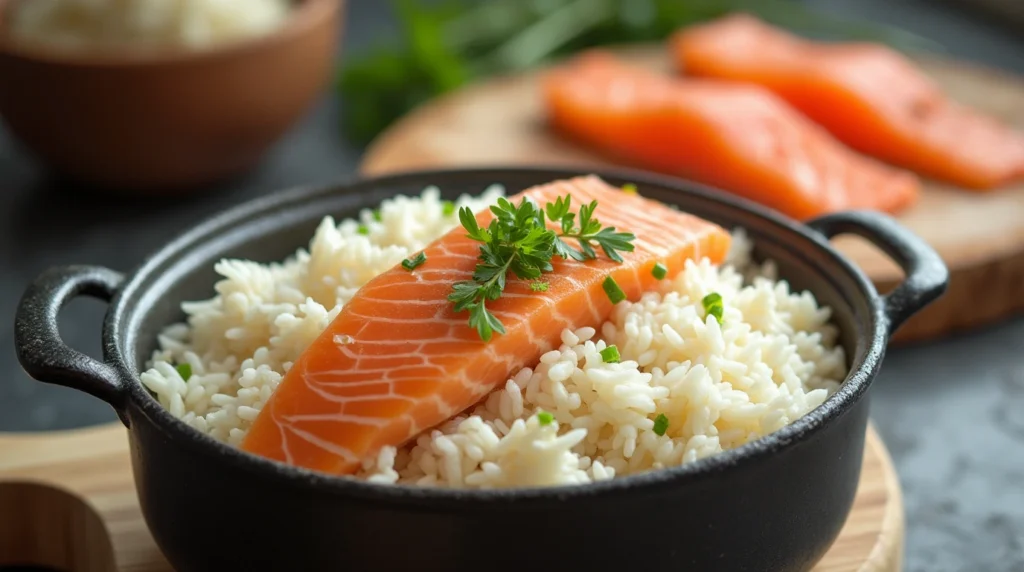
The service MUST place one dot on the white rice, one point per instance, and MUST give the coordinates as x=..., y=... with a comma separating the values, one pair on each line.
x=771, y=360
x=144, y=23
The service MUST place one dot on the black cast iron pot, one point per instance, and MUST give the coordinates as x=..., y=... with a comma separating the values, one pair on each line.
x=774, y=504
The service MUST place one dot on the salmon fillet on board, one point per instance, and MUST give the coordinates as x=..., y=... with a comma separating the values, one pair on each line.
x=739, y=138
x=398, y=359
x=869, y=96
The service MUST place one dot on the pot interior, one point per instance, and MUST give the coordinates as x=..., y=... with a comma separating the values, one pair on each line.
x=272, y=228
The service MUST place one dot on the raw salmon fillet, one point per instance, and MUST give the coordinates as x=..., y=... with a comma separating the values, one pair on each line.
x=869, y=96
x=398, y=360
x=739, y=138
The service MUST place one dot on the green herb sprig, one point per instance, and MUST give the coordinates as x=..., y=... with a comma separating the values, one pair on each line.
x=518, y=240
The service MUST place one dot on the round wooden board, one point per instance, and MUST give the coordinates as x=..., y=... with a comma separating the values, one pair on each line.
x=50, y=525
x=980, y=236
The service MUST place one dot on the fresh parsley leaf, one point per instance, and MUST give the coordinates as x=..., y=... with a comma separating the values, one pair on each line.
x=484, y=322
x=587, y=233
x=377, y=216
x=545, y=418
x=415, y=262
x=518, y=241
x=447, y=208
x=363, y=229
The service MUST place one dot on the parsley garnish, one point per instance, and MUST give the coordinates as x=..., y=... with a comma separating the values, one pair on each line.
x=184, y=370
x=447, y=208
x=539, y=286
x=377, y=216
x=659, y=271
x=610, y=355
x=588, y=231
x=660, y=424
x=411, y=264
x=713, y=305
x=545, y=418
x=363, y=229
x=517, y=240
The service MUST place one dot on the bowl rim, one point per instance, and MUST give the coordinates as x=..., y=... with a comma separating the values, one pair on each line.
x=303, y=16
x=869, y=349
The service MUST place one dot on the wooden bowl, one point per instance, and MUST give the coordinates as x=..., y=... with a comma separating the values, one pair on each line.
x=166, y=121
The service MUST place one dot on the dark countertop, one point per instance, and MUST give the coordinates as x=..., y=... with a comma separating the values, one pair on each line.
x=952, y=413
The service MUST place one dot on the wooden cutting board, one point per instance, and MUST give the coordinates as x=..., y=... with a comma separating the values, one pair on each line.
x=67, y=500
x=981, y=237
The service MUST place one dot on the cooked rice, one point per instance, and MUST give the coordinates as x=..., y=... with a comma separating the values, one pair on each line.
x=144, y=23
x=772, y=359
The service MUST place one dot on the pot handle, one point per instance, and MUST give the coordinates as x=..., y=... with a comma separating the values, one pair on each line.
x=37, y=340
x=927, y=275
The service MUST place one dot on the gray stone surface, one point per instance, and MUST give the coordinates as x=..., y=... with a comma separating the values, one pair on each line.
x=951, y=412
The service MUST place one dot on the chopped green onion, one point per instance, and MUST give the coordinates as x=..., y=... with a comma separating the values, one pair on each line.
x=660, y=424
x=447, y=208
x=363, y=229
x=377, y=216
x=660, y=271
x=611, y=288
x=629, y=188
x=184, y=370
x=610, y=354
x=545, y=418
x=414, y=262
x=713, y=305
x=539, y=286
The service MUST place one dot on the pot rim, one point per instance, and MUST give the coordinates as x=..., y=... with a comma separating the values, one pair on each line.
x=865, y=361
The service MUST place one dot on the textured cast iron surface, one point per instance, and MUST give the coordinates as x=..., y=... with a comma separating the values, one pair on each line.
x=774, y=504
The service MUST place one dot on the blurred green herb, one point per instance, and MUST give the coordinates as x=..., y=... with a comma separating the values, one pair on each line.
x=443, y=45
x=415, y=262
x=184, y=370
x=660, y=424
x=713, y=305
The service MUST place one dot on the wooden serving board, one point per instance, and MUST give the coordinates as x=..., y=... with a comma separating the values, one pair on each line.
x=981, y=237
x=67, y=501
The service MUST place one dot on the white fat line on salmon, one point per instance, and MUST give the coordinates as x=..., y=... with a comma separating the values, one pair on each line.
x=381, y=319
x=387, y=374
x=420, y=350
x=337, y=417
x=318, y=388
x=318, y=384
x=284, y=446
x=343, y=339
x=333, y=448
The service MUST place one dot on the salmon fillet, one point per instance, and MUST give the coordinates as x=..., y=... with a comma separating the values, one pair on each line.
x=742, y=139
x=398, y=359
x=868, y=96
